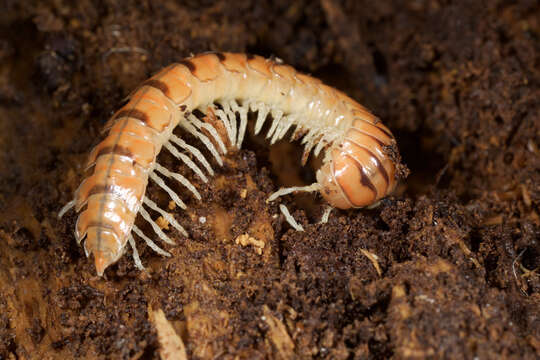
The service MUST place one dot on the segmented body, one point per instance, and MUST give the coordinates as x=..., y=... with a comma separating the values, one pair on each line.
x=359, y=165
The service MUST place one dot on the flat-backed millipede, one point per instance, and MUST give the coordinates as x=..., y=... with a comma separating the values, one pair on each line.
x=361, y=163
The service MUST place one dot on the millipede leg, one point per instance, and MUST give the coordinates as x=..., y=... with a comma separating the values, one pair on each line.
x=170, y=219
x=284, y=191
x=155, y=227
x=212, y=130
x=228, y=126
x=181, y=179
x=262, y=113
x=204, y=139
x=308, y=137
x=309, y=142
x=282, y=129
x=277, y=115
x=177, y=154
x=136, y=258
x=374, y=205
x=193, y=150
x=149, y=242
x=66, y=208
x=232, y=120
x=169, y=191
x=296, y=226
x=326, y=215
x=243, y=111
x=320, y=145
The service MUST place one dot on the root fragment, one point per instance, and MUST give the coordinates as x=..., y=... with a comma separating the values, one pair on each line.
x=278, y=335
x=171, y=345
x=374, y=260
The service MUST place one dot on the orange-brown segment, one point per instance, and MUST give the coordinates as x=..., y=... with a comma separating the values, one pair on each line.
x=371, y=129
x=133, y=126
x=308, y=80
x=261, y=65
x=371, y=166
x=110, y=213
x=380, y=159
x=285, y=71
x=235, y=62
x=177, y=87
x=128, y=188
x=205, y=67
x=140, y=151
x=114, y=163
x=354, y=182
x=152, y=102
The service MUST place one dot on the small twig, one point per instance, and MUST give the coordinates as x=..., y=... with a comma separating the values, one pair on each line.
x=374, y=260
x=515, y=273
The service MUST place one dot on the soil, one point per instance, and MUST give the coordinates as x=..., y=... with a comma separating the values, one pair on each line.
x=448, y=267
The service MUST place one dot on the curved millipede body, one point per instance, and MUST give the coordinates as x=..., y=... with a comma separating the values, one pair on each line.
x=360, y=162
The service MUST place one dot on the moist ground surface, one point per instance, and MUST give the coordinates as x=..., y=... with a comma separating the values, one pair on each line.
x=446, y=268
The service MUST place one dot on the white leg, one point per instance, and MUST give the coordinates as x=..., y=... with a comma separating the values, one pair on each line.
x=182, y=180
x=296, y=133
x=284, y=191
x=66, y=208
x=149, y=242
x=290, y=219
x=169, y=191
x=136, y=258
x=155, y=227
x=277, y=115
x=193, y=150
x=177, y=154
x=309, y=141
x=308, y=137
x=170, y=219
x=320, y=145
x=212, y=130
x=204, y=139
x=222, y=115
x=282, y=129
x=374, y=205
x=232, y=121
x=307, y=150
x=326, y=215
x=262, y=114
x=243, y=111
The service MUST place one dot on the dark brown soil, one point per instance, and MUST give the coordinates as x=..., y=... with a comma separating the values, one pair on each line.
x=458, y=247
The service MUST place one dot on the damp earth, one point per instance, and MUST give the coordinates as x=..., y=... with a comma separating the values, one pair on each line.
x=447, y=267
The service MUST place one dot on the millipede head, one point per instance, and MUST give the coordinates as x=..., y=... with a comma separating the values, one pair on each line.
x=352, y=179
x=330, y=189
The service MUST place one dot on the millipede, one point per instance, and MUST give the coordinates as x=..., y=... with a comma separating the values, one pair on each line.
x=360, y=160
